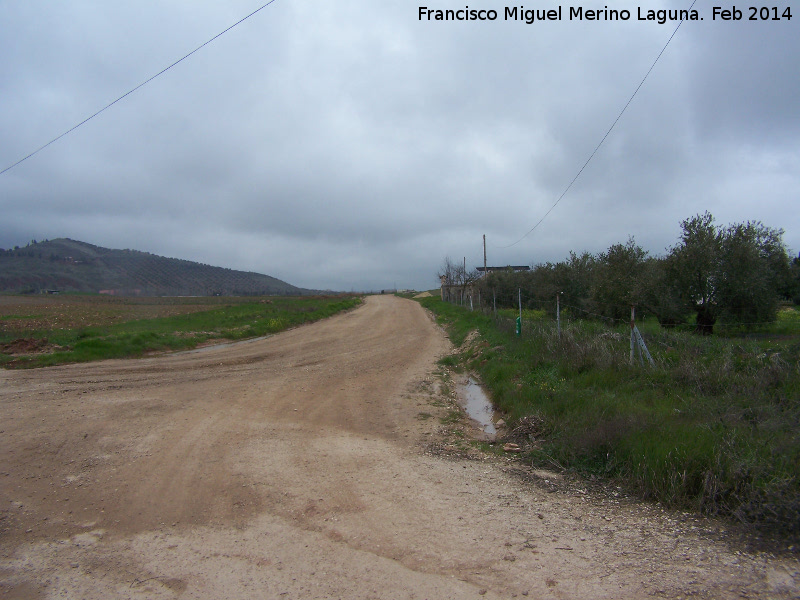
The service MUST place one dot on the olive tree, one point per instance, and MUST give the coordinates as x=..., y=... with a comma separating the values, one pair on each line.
x=735, y=273
x=618, y=281
x=693, y=267
x=753, y=268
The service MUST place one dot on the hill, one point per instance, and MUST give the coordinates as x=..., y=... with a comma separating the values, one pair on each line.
x=71, y=266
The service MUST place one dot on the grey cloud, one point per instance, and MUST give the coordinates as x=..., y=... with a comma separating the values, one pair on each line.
x=350, y=145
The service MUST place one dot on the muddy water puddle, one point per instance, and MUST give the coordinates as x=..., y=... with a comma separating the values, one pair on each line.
x=218, y=346
x=478, y=406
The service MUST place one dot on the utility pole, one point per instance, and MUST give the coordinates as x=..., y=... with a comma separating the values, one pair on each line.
x=464, y=289
x=484, y=255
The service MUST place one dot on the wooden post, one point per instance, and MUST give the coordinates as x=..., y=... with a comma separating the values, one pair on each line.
x=558, y=313
x=633, y=335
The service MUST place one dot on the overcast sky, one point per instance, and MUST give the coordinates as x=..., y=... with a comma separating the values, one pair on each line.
x=348, y=145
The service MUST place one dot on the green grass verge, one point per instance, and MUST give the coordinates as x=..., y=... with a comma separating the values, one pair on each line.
x=713, y=427
x=135, y=338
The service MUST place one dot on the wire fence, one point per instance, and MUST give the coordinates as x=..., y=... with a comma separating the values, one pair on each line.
x=529, y=308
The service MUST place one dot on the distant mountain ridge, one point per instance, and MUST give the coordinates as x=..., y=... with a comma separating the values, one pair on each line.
x=66, y=265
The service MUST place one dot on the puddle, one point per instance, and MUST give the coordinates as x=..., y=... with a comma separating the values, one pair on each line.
x=221, y=345
x=479, y=407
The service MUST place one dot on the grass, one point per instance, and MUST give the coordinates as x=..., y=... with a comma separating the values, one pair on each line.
x=713, y=427
x=527, y=314
x=184, y=325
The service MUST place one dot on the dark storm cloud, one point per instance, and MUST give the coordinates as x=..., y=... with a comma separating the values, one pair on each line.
x=350, y=145
x=745, y=81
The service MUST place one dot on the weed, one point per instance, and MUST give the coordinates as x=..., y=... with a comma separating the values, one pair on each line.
x=453, y=416
x=451, y=360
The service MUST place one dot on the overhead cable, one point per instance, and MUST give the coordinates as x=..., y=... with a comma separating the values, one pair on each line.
x=588, y=160
x=144, y=83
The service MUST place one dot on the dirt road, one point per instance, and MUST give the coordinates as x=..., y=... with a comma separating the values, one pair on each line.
x=296, y=467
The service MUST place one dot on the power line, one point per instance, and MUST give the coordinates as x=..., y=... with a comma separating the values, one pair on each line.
x=588, y=160
x=144, y=83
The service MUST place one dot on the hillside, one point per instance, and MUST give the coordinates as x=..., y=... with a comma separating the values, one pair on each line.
x=71, y=266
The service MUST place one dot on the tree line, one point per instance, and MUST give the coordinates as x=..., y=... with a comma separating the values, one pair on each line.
x=736, y=275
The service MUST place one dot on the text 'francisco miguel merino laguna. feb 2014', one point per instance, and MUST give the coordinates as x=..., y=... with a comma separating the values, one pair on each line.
x=578, y=13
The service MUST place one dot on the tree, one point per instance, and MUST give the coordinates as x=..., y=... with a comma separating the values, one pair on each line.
x=753, y=267
x=618, y=281
x=572, y=280
x=693, y=266
x=503, y=285
x=447, y=273
x=794, y=281
x=736, y=273
x=661, y=296
x=580, y=272
x=454, y=275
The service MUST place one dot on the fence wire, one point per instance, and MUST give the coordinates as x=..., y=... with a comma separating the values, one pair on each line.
x=476, y=301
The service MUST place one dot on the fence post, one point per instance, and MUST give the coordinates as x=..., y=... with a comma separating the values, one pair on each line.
x=638, y=341
x=558, y=313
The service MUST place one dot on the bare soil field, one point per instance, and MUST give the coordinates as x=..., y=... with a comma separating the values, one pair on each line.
x=24, y=314
x=306, y=465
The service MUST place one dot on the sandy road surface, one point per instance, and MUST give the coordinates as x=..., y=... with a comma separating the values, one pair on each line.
x=294, y=467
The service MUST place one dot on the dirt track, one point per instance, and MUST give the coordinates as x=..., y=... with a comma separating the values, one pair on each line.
x=295, y=467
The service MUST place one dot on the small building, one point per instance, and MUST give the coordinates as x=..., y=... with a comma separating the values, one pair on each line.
x=455, y=291
x=514, y=268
